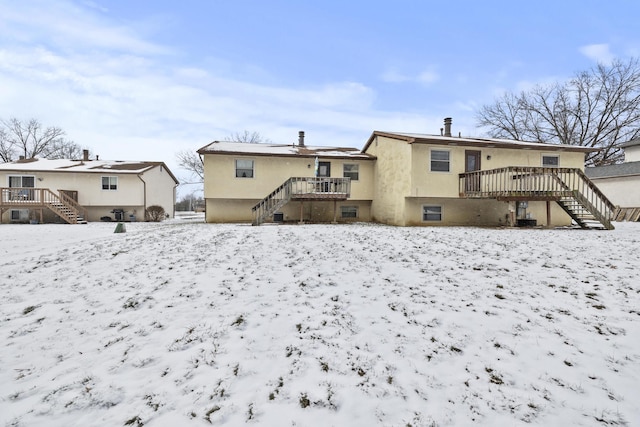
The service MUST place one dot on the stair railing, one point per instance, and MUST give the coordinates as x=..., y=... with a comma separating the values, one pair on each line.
x=538, y=183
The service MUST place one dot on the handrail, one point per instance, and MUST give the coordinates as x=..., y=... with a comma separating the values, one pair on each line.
x=538, y=183
x=30, y=197
x=65, y=198
x=301, y=188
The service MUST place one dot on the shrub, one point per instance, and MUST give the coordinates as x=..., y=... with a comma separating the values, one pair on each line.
x=154, y=213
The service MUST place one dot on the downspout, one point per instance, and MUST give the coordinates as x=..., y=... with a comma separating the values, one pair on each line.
x=144, y=192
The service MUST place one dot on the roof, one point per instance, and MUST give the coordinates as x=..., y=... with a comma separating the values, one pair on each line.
x=282, y=150
x=610, y=171
x=83, y=166
x=417, y=138
x=631, y=143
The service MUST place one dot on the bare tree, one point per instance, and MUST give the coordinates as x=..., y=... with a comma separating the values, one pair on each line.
x=247, y=137
x=63, y=149
x=598, y=108
x=192, y=162
x=6, y=149
x=29, y=139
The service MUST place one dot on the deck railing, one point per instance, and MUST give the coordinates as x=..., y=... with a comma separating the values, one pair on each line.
x=536, y=183
x=301, y=188
x=38, y=198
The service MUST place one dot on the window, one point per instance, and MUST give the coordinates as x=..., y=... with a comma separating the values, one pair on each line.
x=439, y=161
x=550, y=161
x=22, y=181
x=20, y=215
x=244, y=168
x=349, y=211
x=109, y=182
x=432, y=213
x=350, y=171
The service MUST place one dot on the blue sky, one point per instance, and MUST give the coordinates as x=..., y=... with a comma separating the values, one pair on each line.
x=141, y=80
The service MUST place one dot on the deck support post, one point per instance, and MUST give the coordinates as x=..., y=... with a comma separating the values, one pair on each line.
x=512, y=213
x=335, y=212
x=548, y=214
x=301, y=212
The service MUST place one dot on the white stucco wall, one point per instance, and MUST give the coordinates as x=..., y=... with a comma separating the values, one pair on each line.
x=622, y=191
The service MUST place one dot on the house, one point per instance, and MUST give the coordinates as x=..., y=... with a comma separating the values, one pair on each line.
x=75, y=191
x=404, y=179
x=621, y=182
x=239, y=175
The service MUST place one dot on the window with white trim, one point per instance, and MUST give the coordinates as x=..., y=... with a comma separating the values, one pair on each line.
x=432, y=213
x=28, y=181
x=440, y=161
x=349, y=211
x=351, y=171
x=244, y=168
x=110, y=183
x=550, y=160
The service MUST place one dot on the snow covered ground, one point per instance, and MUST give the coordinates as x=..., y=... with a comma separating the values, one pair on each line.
x=186, y=323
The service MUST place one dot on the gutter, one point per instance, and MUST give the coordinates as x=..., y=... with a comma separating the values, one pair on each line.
x=144, y=191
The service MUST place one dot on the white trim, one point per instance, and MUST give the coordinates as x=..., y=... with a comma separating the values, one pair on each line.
x=448, y=151
x=432, y=220
x=235, y=168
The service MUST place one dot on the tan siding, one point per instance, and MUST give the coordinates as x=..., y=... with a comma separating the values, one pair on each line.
x=392, y=179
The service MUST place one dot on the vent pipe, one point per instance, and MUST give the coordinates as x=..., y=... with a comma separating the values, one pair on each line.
x=447, y=126
x=301, y=138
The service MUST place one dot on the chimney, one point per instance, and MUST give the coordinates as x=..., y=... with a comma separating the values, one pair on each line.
x=21, y=158
x=447, y=126
x=85, y=155
x=301, y=138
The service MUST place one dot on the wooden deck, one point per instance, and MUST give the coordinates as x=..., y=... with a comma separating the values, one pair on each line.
x=569, y=187
x=302, y=189
x=39, y=199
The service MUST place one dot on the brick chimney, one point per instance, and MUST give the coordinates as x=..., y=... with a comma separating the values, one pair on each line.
x=447, y=126
x=301, y=138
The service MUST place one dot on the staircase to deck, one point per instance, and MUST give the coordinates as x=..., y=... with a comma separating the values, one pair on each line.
x=576, y=194
x=43, y=198
x=301, y=189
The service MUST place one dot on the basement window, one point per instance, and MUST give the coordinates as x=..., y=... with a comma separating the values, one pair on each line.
x=439, y=161
x=432, y=213
x=349, y=211
x=110, y=183
x=244, y=168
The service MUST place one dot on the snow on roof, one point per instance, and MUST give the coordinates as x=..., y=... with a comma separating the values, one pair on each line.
x=222, y=147
x=66, y=165
x=471, y=141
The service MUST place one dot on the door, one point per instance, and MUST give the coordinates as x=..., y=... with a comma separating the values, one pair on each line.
x=22, y=184
x=472, y=164
x=324, y=169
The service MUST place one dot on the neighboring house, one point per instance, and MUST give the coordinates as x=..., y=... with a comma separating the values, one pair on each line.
x=76, y=191
x=621, y=182
x=404, y=179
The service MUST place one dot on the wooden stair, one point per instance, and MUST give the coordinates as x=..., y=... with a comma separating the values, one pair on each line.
x=43, y=198
x=301, y=189
x=578, y=196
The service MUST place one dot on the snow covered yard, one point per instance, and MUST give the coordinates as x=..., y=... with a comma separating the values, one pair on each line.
x=348, y=325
